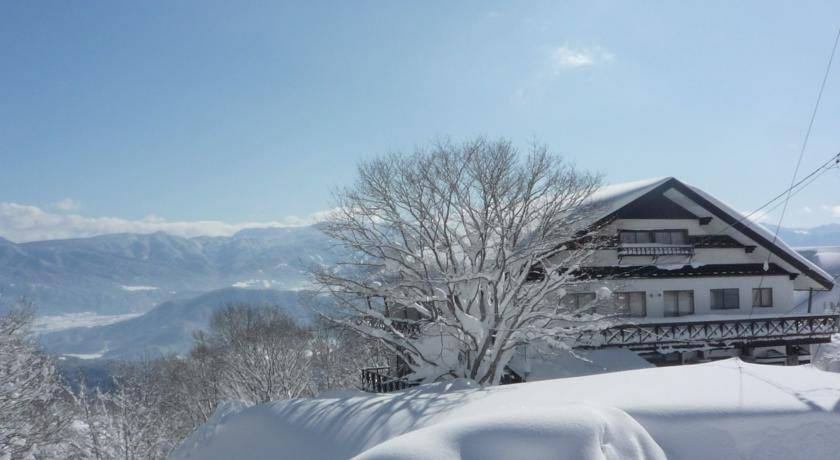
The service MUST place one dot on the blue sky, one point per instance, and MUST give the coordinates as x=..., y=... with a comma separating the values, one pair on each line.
x=130, y=115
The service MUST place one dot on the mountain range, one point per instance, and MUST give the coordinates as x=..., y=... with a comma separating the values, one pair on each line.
x=130, y=273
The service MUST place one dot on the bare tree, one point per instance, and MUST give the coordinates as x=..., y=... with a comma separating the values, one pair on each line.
x=264, y=354
x=94, y=435
x=338, y=353
x=460, y=253
x=194, y=385
x=141, y=423
x=34, y=406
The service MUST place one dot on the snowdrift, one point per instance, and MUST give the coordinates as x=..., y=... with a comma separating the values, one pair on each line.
x=722, y=410
x=572, y=431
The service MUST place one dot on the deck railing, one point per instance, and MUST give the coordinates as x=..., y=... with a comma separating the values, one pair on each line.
x=377, y=380
x=655, y=250
x=763, y=331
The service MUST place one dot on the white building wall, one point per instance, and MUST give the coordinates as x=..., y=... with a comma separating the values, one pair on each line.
x=702, y=256
x=783, y=287
x=654, y=288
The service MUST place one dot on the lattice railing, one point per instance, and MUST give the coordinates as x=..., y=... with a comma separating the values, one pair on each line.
x=377, y=380
x=717, y=332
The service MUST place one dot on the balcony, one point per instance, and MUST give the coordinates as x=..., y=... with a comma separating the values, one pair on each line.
x=755, y=330
x=655, y=250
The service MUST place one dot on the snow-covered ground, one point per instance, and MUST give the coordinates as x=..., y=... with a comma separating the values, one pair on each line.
x=44, y=324
x=719, y=410
x=826, y=356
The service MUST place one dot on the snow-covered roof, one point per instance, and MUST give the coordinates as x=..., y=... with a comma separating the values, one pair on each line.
x=611, y=198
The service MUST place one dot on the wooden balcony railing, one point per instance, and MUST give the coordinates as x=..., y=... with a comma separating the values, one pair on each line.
x=377, y=380
x=763, y=331
x=655, y=250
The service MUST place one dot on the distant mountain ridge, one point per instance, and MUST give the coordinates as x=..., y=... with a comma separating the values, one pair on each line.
x=120, y=273
x=123, y=273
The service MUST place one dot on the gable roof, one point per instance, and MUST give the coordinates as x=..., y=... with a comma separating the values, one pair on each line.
x=608, y=201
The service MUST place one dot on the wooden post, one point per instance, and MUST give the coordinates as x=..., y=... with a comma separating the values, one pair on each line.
x=747, y=353
x=791, y=355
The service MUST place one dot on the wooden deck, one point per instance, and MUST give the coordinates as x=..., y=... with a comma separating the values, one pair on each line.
x=740, y=331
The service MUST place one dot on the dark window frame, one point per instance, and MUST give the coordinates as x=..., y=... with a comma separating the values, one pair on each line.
x=758, y=294
x=726, y=296
x=624, y=303
x=577, y=296
x=652, y=236
x=679, y=312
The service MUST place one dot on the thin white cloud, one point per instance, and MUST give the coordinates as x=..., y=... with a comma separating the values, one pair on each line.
x=835, y=210
x=807, y=209
x=760, y=216
x=21, y=223
x=67, y=205
x=565, y=57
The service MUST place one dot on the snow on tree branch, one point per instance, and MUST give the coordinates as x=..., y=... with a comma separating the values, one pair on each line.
x=460, y=253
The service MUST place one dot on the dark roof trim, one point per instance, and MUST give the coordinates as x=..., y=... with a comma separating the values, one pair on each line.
x=686, y=271
x=698, y=241
x=751, y=234
x=730, y=220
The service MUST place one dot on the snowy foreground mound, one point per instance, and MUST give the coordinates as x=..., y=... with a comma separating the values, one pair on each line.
x=722, y=410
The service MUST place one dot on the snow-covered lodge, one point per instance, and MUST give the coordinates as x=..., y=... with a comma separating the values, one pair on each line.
x=698, y=280
x=694, y=280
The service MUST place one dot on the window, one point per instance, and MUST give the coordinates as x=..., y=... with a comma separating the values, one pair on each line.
x=678, y=303
x=633, y=237
x=577, y=300
x=763, y=297
x=725, y=299
x=668, y=237
x=632, y=303
x=662, y=237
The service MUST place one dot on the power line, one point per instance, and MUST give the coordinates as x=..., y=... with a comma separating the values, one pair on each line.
x=802, y=151
x=834, y=160
x=808, y=131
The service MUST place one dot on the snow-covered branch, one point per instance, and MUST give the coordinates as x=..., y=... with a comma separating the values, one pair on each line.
x=462, y=253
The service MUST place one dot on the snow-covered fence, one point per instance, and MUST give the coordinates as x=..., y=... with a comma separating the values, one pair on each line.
x=759, y=331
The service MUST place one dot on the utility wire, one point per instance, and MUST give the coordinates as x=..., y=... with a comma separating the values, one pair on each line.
x=801, y=156
x=808, y=131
